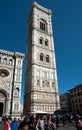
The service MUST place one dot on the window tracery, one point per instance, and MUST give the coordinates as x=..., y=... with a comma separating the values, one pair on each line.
x=43, y=25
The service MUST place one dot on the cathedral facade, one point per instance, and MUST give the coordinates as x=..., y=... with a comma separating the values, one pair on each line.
x=10, y=83
x=41, y=86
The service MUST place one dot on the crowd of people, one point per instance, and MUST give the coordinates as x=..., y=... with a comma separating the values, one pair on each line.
x=42, y=122
x=30, y=123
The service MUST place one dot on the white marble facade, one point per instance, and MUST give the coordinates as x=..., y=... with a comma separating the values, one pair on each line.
x=41, y=86
x=10, y=82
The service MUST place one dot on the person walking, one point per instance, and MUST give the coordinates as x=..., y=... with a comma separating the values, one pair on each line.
x=7, y=124
x=14, y=124
x=50, y=125
x=40, y=124
x=79, y=124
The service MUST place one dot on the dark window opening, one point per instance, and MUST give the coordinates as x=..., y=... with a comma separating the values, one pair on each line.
x=42, y=26
x=41, y=57
x=41, y=41
x=46, y=43
x=47, y=58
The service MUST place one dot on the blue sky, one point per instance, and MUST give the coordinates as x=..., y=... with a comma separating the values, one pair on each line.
x=67, y=32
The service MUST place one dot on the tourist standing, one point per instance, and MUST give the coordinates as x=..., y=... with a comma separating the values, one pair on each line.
x=7, y=124
x=14, y=124
x=23, y=126
x=40, y=124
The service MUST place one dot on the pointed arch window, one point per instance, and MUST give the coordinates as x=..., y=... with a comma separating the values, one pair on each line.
x=38, y=82
x=0, y=60
x=5, y=61
x=47, y=58
x=11, y=62
x=43, y=83
x=16, y=92
x=53, y=84
x=43, y=25
x=41, y=57
x=47, y=83
x=41, y=40
x=46, y=42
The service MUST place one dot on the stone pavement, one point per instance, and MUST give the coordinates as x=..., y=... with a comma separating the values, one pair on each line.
x=67, y=127
x=1, y=126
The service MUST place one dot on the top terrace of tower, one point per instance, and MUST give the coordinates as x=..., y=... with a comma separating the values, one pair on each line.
x=35, y=4
x=40, y=7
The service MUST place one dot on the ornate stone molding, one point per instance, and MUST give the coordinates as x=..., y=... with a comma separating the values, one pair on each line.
x=8, y=53
x=41, y=8
x=3, y=85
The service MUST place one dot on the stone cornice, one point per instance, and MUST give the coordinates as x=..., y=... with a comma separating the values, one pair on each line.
x=17, y=54
x=8, y=53
x=35, y=4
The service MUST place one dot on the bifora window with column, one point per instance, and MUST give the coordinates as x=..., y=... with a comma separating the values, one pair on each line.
x=43, y=42
x=39, y=75
x=43, y=25
x=42, y=57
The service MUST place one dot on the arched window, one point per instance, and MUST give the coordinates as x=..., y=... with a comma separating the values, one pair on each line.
x=41, y=40
x=47, y=58
x=46, y=42
x=38, y=82
x=43, y=25
x=41, y=57
x=5, y=61
x=43, y=83
x=47, y=83
x=53, y=84
x=0, y=60
x=11, y=62
x=16, y=92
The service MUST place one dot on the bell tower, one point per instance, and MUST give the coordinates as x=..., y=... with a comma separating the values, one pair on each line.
x=41, y=87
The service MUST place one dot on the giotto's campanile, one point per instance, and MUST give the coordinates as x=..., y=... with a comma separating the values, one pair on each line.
x=41, y=87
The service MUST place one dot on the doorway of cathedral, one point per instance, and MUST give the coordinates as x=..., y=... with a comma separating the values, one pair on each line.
x=1, y=109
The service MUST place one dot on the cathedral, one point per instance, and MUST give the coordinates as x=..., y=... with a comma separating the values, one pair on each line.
x=10, y=83
x=41, y=85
